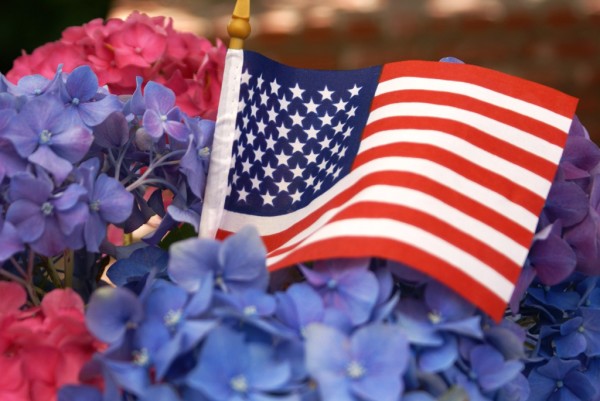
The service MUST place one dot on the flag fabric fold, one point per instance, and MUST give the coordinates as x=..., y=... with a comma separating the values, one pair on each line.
x=443, y=167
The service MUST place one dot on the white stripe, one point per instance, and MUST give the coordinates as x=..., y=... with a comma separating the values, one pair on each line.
x=497, y=129
x=421, y=239
x=427, y=204
x=269, y=225
x=220, y=158
x=515, y=173
x=480, y=93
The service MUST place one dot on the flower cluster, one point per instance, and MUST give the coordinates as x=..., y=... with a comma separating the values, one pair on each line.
x=202, y=323
x=75, y=158
x=141, y=46
x=56, y=330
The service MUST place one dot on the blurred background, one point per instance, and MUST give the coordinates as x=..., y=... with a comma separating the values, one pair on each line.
x=554, y=42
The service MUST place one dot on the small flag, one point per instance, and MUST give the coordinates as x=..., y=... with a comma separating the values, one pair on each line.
x=443, y=167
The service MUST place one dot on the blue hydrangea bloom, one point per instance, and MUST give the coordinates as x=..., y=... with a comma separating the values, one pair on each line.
x=9, y=238
x=347, y=285
x=236, y=264
x=580, y=334
x=366, y=366
x=560, y=380
x=194, y=163
x=231, y=369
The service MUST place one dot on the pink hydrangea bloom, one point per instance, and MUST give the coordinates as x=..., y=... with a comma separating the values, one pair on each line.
x=120, y=50
x=41, y=348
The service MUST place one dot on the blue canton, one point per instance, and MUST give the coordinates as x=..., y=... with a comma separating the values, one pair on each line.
x=297, y=133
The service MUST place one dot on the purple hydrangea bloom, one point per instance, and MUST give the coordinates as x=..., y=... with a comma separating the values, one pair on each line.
x=84, y=102
x=48, y=223
x=299, y=306
x=44, y=134
x=366, y=366
x=161, y=114
x=108, y=202
x=229, y=368
x=194, y=164
x=236, y=264
x=347, y=285
x=10, y=161
x=9, y=238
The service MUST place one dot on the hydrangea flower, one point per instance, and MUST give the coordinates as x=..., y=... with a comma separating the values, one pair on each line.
x=44, y=134
x=560, y=380
x=347, y=285
x=47, y=222
x=366, y=366
x=230, y=368
x=161, y=115
x=236, y=264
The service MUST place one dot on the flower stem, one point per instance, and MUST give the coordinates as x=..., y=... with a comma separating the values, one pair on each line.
x=18, y=267
x=69, y=261
x=153, y=164
x=53, y=273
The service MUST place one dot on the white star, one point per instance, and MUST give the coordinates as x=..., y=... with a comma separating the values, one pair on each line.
x=297, y=92
x=312, y=132
x=347, y=132
x=336, y=173
x=271, y=142
x=318, y=186
x=339, y=127
x=326, y=119
x=268, y=170
x=282, y=158
x=272, y=114
x=282, y=185
x=326, y=93
x=296, y=119
x=325, y=142
x=282, y=131
x=255, y=182
x=251, y=92
x=268, y=199
x=354, y=91
x=246, y=166
x=253, y=110
x=245, y=121
x=340, y=105
x=296, y=196
x=283, y=103
x=311, y=107
x=243, y=195
x=264, y=98
x=336, y=149
x=246, y=77
x=258, y=154
x=261, y=126
x=311, y=157
x=330, y=169
x=352, y=112
x=260, y=81
x=297, y=146
x=275, y=86
x=310, y=181
x=323, y=164
x=297, y=171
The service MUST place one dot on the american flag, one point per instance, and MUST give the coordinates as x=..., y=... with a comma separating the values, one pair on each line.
x=443, y=167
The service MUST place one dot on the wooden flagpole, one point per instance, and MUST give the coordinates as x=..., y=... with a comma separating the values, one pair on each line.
x=239, y=25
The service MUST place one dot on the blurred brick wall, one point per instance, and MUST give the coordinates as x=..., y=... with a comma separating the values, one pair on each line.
x=557, y=46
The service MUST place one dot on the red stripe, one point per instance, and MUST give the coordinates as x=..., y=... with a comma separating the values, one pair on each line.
x=518, y=88
x=489, y=179
x=505, y=150
x=481, y=212
x=436, y=226
x=450, y=275
x=534, y=127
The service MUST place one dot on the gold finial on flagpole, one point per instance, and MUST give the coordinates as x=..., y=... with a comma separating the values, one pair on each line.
x=239, y=25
